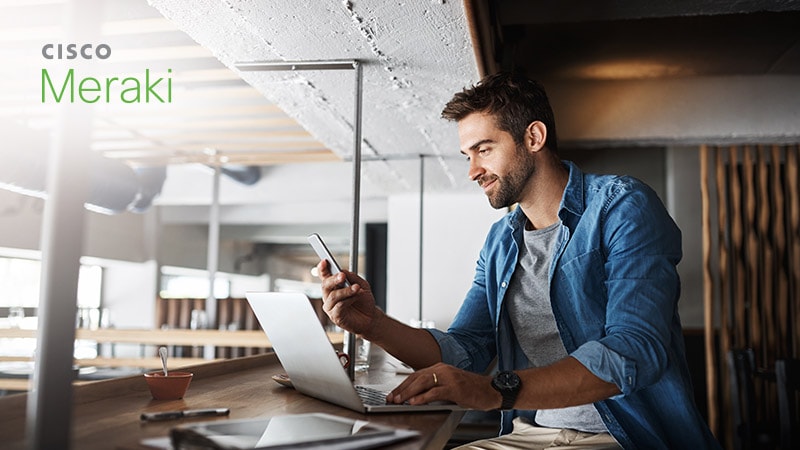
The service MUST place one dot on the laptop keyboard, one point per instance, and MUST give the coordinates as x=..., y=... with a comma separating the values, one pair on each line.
x=371, y=396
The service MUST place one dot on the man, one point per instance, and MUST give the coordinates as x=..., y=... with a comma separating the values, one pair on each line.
x=575, y=294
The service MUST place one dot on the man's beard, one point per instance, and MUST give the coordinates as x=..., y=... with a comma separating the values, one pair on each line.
x=508, y=189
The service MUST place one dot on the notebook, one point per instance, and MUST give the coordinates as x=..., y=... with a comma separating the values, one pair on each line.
x=309, y=359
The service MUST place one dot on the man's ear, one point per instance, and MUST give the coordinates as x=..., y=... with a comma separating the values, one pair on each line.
x=535, y=136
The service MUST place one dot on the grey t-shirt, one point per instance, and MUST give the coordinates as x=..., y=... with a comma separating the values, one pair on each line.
x=528, y=303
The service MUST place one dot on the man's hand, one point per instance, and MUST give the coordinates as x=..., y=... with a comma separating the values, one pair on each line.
x=353, y=308
x=442, y=382
x=349, y=307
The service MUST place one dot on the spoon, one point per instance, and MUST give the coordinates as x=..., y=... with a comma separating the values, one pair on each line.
x=162, y=351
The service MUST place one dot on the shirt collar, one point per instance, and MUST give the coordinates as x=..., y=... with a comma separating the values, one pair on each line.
x=572, y=201
x=516, y=218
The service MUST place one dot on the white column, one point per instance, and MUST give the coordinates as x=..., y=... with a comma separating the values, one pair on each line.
x=49, y=408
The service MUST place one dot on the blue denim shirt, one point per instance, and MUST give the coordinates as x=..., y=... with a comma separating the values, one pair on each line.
x=614, y=290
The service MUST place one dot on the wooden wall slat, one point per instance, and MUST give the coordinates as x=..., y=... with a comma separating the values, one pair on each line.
x=223, y=317
x=739, y=292
x=778, y=206
x=767, y=300
x=725, y=305
x=751, y=255
x=708, y=293
x=724, y=252
x=792, y=157
x=763, y=301
x=172, y=314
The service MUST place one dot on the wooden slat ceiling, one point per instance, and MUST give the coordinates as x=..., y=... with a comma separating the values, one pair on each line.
x=214, y=117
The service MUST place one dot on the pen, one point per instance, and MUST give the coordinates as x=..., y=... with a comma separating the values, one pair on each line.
x=169, y=415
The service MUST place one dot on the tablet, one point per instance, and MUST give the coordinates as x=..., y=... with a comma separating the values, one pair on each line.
x=290, y=431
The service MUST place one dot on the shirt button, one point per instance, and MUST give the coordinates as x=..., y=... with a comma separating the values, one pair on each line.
x=503, y=284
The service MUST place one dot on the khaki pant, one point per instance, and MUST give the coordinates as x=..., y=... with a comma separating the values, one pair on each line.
x=530, y=437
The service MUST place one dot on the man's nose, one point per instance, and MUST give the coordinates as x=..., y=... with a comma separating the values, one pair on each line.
x=475, y=170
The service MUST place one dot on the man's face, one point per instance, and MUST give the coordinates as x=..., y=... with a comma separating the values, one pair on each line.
x=496, y=163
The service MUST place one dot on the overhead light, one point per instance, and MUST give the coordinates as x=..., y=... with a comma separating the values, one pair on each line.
x=626, y=70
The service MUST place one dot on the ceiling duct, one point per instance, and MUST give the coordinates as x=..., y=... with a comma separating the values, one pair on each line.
x=114, y=187
x=247, y=175
x=151, y=180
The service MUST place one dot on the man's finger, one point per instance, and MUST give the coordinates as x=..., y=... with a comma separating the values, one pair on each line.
x=335, y=282
x=415, y=384
x=323, y=268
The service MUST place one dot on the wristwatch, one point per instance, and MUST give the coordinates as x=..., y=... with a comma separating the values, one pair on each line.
x=508, y=385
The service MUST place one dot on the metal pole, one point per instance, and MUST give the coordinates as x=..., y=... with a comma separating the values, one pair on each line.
x=212, y=261
x=270, y=66
x=356, y=172
x=351, y=338
x=421, y=197
x=263, y=66
x=49, y=406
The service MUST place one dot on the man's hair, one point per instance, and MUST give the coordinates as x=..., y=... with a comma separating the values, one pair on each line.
x=514, y=100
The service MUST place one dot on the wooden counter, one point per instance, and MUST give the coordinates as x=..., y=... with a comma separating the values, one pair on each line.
x=106, y=413
x=219, y=338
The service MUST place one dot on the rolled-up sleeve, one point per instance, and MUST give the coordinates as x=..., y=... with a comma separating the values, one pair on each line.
x=452, y=352
x=607, y=365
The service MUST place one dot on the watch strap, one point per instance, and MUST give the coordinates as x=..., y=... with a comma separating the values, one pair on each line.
x=508, y=393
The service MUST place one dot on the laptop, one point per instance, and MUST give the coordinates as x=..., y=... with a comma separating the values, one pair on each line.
x=309, y=359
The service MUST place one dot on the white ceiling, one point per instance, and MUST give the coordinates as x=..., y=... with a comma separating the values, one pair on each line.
x=414, y=56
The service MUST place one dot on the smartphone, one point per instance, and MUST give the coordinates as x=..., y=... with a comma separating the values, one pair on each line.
x=322, y=251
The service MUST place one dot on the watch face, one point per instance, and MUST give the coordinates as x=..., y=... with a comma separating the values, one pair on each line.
x=508, y=380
